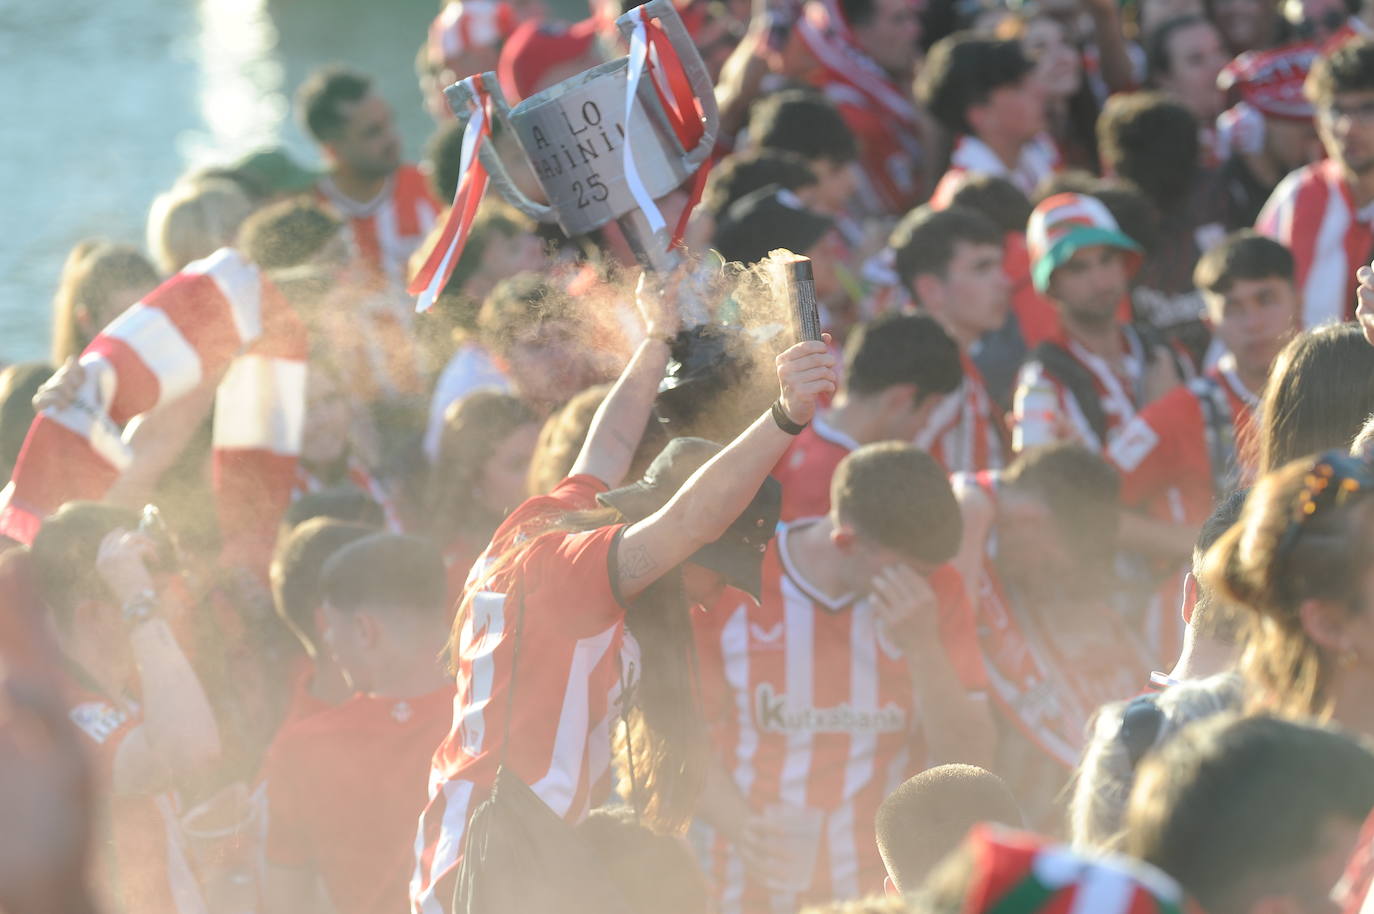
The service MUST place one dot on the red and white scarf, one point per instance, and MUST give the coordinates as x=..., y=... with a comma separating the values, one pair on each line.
x=217, y=319
x=827, y=35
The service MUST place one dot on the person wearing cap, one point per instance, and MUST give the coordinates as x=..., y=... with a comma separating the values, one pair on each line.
x=275, y=174
x=986, y=94
x=1092, y=376
x=577, y=616
x=772, y=217
x=858, y=668
x=1269, y=131
x=1322, y=212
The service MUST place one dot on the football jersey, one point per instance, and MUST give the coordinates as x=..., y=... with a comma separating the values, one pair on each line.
x=344, y=788
x=386, y=230
x=569, y=679
x=806, y=468
x=1039, y=159
x=1043, y=401
x=965, y=431
x=810, y=704
x=1168, y=444
x=1313, y=214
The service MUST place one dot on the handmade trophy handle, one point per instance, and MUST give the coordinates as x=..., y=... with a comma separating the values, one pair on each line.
x=463, y=102
x=697, y=75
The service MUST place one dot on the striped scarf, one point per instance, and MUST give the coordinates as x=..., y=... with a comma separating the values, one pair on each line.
x=217, y=320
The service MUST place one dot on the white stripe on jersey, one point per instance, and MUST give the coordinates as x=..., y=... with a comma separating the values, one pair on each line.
x=863, y=753
x=1324, y=291
x=160, y=346
x=799, y=622
x=483, y=632
x=558, y=787
x=735, y=651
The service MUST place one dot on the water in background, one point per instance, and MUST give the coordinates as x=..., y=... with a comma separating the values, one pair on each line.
x=104, y=102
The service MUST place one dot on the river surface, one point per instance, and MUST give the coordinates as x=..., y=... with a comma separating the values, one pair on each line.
x=104, y=102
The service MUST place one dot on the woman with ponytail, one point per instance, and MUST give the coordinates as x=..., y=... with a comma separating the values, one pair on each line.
x=575, y=623
x=1301, y=560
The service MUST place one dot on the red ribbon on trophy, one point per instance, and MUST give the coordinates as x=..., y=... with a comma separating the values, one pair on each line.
x=472, y=186
x=651, y=49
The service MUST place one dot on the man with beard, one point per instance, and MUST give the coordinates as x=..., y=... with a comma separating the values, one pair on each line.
x=1091, y=377
x=387, y=203
x=1324, y=213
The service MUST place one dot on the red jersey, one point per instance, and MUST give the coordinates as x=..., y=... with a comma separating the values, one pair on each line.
x=1313, y=214
x=141, y=858
x=965, y=431
x=811, y=705
x=568, y=688
x=805, y=470
x=1043, y=400
x=1175, y=443
x=301, y=703
x=344, y=788
x=387, y=229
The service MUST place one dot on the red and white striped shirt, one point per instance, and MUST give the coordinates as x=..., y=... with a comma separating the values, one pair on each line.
x=811, y=705
x=567, y=690
x=387, y=229
x=965, y=432
x=1037, y=160
x=1043, y=402
x=1313, y=213
x=805, y=470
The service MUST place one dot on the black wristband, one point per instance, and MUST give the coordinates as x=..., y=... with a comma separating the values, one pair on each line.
x=784, y=421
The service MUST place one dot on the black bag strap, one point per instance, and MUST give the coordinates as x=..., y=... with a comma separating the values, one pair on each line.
x=1060, y=364
x=1220, y=433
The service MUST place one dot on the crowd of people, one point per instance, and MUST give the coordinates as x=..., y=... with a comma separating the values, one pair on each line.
x=1041, y=582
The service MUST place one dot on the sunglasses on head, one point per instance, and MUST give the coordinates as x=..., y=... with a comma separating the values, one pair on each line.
x=1332, y=481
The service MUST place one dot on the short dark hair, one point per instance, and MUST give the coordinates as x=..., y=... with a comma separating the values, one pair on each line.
x=64, y=552
x=1158, y=58
x=18, y=385
x=1152, y=141
x=997, y=198
x=900, y=497
x=1229, y=806
x=926, y=239
x=1082, y=491
x=805, y=122
x=740, y=174
x=342, y=502
x=1245, y=254
x=963, y=70
x=926, y=818
x=319, y=98
x=386, y=571
x=901, y=349
x=295, y=572
x=1349, y=68
x=287, y=234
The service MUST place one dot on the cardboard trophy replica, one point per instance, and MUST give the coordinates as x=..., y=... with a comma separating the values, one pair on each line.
x=604, y=145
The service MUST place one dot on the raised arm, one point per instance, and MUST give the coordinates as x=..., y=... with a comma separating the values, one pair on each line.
x=619, y=421
x=716, y=494
x=178, y=735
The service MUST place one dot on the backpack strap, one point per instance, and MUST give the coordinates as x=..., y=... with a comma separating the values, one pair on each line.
x=1060, y=364
x=1220, y=433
